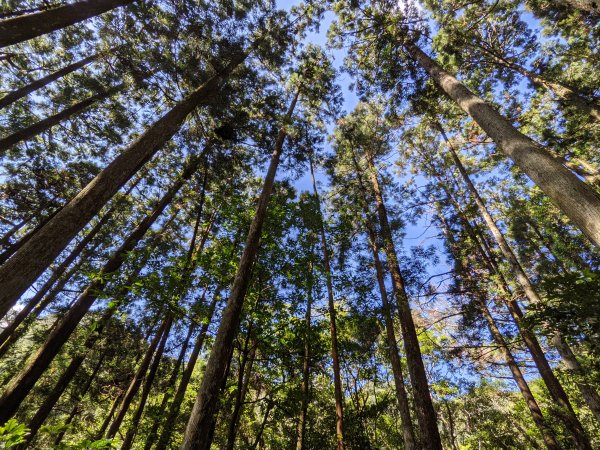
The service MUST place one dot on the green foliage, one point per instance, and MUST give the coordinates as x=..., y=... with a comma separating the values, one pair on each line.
x=12, y=433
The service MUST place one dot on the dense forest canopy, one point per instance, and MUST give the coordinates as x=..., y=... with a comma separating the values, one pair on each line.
x=326, y=224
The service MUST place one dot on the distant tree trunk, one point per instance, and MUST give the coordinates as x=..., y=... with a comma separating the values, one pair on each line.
x=21, y=92
x=301, y=425
x=5, y=240
x=27, y=264
x=530, y=401
x=140, y=373
x=173, y=413
x=198, y=430
x=576, y=199
x=22, y=28
x=270, y=404
x=554, y=387
x=244, y=373
x=137, y=415
x=45, y=124
x=22, y=383
x=565, y=93
x=78, y=398
x=337, y=379
x=426, y=414
x=109, y=416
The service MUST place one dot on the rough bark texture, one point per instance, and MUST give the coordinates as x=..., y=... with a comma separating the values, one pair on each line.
x=22, y=28
x=26, y=265
x=198, y=430
x=21, y=92
x=579, y=201
x=22, y=383
x=337, y=378
x=426, y=414
x=555, y=388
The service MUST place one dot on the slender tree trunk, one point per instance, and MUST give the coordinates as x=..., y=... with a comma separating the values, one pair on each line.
x=21, y=92
x=530, y=401
x=197, y=433
x=426, y=414
x=109, y=416
x=45, y=124
x=576, y=199
x=22, y=28
x=337, y=379
x=140, y=373
x=22, y=383
x=301, y=425
x=171, y=418
x=79, y=397
x=27, y=264
x=137, y=415
x=5, y=240
x=555, y=388
x=245, y=371
x=263, y=424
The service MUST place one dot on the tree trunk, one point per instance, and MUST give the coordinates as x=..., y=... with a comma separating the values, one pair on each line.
x=21, y=92
x=554, y=387
x=301, y=425
x=270, y=404
x=78, y=399
x=530, y=401
x=22, y=383
x=171, y=418
x=22, y=28
x=137, y=415
x=426, y=414
x=45, y=124
x=576, y=199
x=27, y=264
x=197, y=433
x=337, y=379
x=5, y=240
x=140, y=373
x=245, y=371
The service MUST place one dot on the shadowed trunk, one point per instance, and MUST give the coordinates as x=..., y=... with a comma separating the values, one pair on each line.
x=337, y=379
x=27, y=264
x=198, y=430
x=22, y=28
x=21, y=92
x=22, y=383
x=576, y=199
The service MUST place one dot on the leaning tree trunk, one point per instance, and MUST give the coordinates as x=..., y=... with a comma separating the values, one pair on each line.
x=137, y=415
x=22, y=383
x=579, y=201
x=337, y=378
x=45, y=124
x=22, y=28
x=173, y=413
x=554, y=387
x=27, y=264
x=24, y=91
x=480, y=300
x=139, y=376
x=426, y=414
x=198, y=430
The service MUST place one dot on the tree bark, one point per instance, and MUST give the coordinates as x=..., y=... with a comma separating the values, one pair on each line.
x=197, y=434
x=23, y=28
x=554, y=387
x=24, y=91
x=22, y=383
x=173, y=413
x=337, y=379
x=139, y=376
x=27, y=264
x=137, y=415
x=579, y=201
